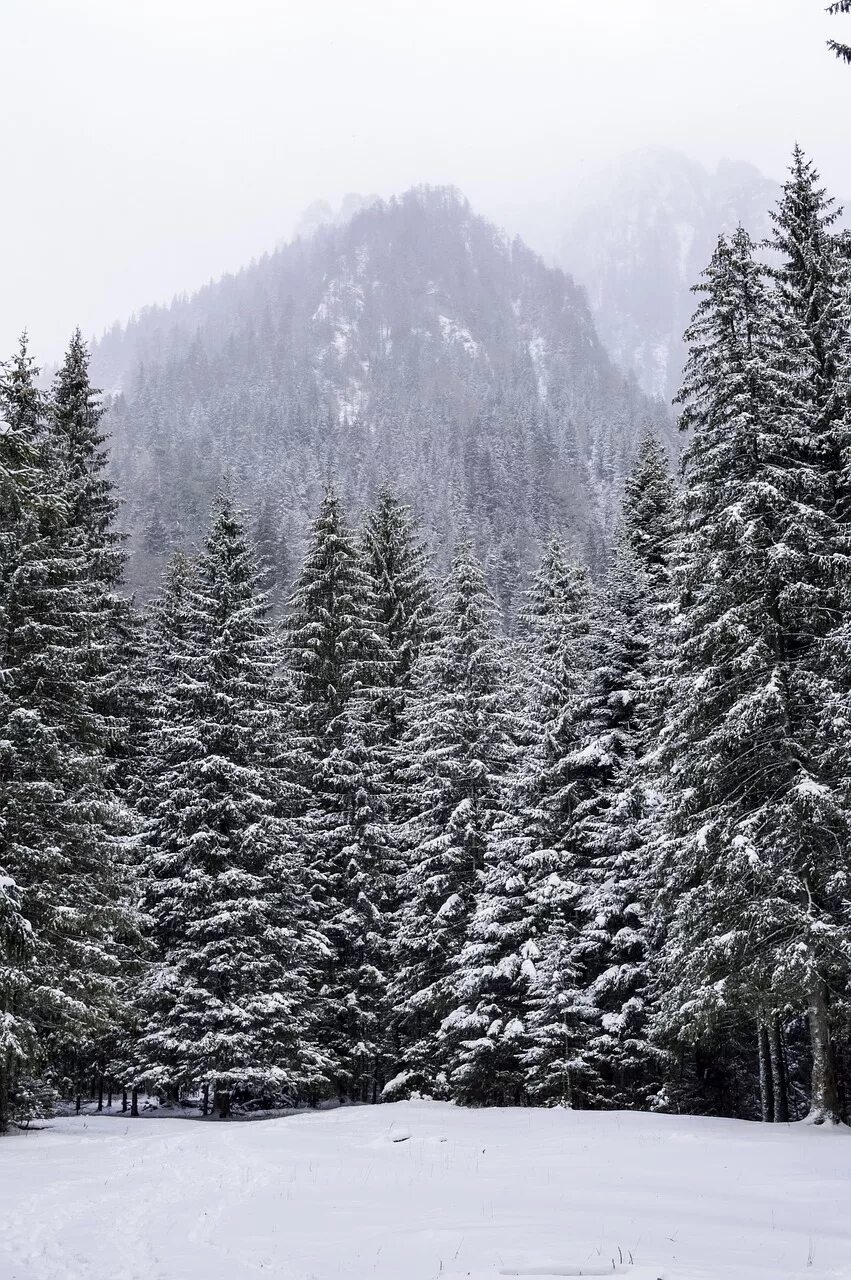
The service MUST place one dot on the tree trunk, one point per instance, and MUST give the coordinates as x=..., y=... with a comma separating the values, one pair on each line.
x=100, y=1093
x=5, y=1090
x=109, y=1097
x=824, y=1102
x=205, y=1100
x=780, y=1087
x=124, y=1098
x=221, y=1101
x=766, y=1082
x=134, y=1102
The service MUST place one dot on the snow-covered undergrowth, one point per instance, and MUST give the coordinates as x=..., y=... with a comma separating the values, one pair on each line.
x=421, y=1191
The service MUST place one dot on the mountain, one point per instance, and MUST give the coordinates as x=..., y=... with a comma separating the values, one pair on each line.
x=639, y=239
x=413, y=342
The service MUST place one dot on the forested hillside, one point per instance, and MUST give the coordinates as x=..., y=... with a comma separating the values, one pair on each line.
x=380, y=848
x=412, y=344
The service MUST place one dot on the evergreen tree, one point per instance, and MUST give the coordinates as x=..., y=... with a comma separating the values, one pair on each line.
x=339, y=663
x=396, y=561
x=756, y=904
x=76, y=414
x=224, y=1005
x=333, y=642
x=523, y=894
x=618, y=824
x=115, y=679
x=612, y=840
x=813, y=302
x=541, y=831
x=460, y=741
x=648, y=516
x=57, y=854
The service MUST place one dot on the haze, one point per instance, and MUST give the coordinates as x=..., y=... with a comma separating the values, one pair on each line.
x=150, y=146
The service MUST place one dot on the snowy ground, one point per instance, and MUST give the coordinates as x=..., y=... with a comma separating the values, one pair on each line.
x=421, y=1191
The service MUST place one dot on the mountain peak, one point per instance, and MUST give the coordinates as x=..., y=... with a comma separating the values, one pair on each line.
x=412, y=341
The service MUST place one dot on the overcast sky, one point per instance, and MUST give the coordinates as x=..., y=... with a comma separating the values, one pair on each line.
x=151, y=144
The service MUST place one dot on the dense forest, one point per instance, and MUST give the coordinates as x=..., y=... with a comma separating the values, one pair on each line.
x=375, y=845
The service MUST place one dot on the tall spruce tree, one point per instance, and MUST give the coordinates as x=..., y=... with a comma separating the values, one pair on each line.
x=57, y=825
x=538, y=835
x=460, y=743
x=397, y=562
x=339, y=663
x=522, y=892
x=612, y=843
x=813, y=304
x=756, y=903
x=116, y=678
x=648, y=517
x=224, y=1003
x=619, y=822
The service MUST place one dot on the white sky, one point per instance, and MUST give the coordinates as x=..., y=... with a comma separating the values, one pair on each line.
x=148, y=145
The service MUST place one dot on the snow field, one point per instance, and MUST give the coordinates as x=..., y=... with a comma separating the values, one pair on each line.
x=426, y=1191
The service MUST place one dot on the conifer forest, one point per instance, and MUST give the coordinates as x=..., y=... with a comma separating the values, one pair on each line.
x=374, y=844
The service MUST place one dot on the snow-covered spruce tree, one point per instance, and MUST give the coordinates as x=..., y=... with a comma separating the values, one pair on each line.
x=56, y=817
x=536, y=836
x=648, y=517
x=460, y=742
x=618, y=824
x=812, y=298
x=339, y=663
x=612, y=836
x=76, y=414
x=397, y=562
x=224, y=1003
x=116, y=680
x=755, y=900
x=521, y=887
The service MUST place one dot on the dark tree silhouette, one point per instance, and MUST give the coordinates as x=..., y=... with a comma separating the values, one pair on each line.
x=842, y=51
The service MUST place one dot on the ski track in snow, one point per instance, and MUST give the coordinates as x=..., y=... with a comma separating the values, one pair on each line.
x=473, y=1194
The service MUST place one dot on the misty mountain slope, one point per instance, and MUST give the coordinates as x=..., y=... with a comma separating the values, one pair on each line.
x=414, y=343
x=640, y=241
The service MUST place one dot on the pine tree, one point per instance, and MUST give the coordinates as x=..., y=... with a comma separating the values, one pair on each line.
x=57, y=849
x=76, y=414
x=541, y=829
x=224, y=1003
x=460, y=744
x=333, y=642
x=611, y=837
x=648, y=516
x=339, y=664
x=396, y=561
x=522, y=894
x=756, y=904
x=618, y=824
x=813, y=301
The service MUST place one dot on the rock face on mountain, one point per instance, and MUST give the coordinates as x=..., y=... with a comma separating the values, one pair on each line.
x=639, y=241
x=414, y=343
